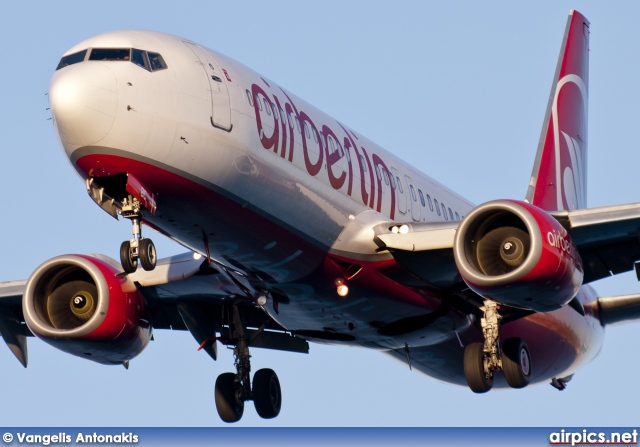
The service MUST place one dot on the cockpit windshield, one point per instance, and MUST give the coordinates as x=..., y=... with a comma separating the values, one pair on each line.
x=110, y=54
x=145, y=59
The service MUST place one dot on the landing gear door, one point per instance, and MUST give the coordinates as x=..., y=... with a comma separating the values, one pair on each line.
x=220, y=104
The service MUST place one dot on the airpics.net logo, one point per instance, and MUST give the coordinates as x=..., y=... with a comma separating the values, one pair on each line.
x=64, y=438
x=587, y=437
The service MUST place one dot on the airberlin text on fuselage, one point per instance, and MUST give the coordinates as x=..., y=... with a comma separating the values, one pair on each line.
x=282, y=140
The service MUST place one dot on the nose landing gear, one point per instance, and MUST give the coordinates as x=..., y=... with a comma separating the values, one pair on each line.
x=481, y=360
x=138, y=248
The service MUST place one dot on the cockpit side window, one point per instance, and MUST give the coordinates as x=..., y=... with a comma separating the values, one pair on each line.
x=139, y=57
x=72, y=59
x=110, y=54
x=156, y=61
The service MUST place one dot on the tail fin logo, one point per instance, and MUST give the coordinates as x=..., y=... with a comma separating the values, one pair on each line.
x=570, y=157
x=559, y=177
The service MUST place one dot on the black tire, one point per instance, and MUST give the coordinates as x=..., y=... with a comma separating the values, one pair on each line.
x=267, y=395
x=128, y=261
x=474, y=368
x=516, y=363
x=230, y=408
x=147, y=254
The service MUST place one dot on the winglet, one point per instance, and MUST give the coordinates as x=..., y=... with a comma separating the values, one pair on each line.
x=559, y=177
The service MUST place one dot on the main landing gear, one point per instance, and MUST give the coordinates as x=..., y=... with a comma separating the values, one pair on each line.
x=481, y=360
x=138, y=248
x=233, y=390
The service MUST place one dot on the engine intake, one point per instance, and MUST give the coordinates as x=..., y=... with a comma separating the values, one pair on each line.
x=79, y=305
x=519, y=255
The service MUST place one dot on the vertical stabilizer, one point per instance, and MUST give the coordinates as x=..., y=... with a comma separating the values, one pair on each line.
x=559, y=177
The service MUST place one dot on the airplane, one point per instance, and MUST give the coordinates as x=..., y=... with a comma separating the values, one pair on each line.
x=300, y=229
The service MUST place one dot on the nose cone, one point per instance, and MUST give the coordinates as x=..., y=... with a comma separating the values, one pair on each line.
x=84, y=100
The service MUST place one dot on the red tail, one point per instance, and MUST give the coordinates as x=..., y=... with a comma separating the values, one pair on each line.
x=559, y=178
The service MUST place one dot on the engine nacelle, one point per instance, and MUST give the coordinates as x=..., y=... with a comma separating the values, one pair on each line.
x=77, y=304
x=518, y=255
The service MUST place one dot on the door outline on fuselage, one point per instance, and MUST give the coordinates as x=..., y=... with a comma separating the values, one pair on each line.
x=219, y=91
x=413, y=197
x=401, y=196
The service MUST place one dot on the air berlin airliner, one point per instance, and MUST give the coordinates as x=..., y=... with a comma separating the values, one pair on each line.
x=299, y=229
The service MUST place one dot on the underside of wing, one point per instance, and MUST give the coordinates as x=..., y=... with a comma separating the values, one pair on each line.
x=608, y=238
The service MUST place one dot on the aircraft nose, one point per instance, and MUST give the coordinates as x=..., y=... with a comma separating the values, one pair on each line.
x=84, y=100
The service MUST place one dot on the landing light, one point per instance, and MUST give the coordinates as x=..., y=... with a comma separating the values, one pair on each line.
x=341, y=287
x=261, y=300
x=402, y=229
x=196, y=256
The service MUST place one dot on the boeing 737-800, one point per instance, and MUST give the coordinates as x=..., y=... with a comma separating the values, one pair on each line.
x=299, y=229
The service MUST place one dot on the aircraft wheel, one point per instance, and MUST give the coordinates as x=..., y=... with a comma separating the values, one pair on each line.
x=516, y=363
x=267, y=395
x=230, y=408
x=128, y=261
x=474, y=368
x=147, y=254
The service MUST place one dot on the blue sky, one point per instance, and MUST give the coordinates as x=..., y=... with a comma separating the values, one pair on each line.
x=457, y=88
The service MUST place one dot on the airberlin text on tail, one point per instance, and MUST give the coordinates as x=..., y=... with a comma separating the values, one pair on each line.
x=559, y=177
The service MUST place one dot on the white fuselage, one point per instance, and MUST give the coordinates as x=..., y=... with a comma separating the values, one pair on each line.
x=257, y=177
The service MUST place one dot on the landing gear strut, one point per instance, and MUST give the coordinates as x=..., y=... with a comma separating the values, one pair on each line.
x=138, y=247
x=233, y=390
x=481, y=360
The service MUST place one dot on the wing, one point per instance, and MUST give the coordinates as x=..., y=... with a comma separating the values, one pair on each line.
x=182, y=293
x=12, y=328
x=607, y=238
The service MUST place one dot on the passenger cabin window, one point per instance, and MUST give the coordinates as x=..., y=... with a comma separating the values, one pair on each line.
x=430, y=202
x=444, y=211
x=249, y=97
x=72, y=59
x=413, y=193
x=364, y=165
x=378, y=173
x=399, y=185
x=267, y=107
x=435, y=201
x=332, y=146
x=421, y=197
x=457, y=216
x=450, y=213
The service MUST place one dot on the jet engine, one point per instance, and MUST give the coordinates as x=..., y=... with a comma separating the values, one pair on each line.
x=81, y=305
x=517, y=254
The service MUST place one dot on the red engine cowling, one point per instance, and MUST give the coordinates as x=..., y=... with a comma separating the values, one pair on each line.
x=77, y=304
x=518, y=255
